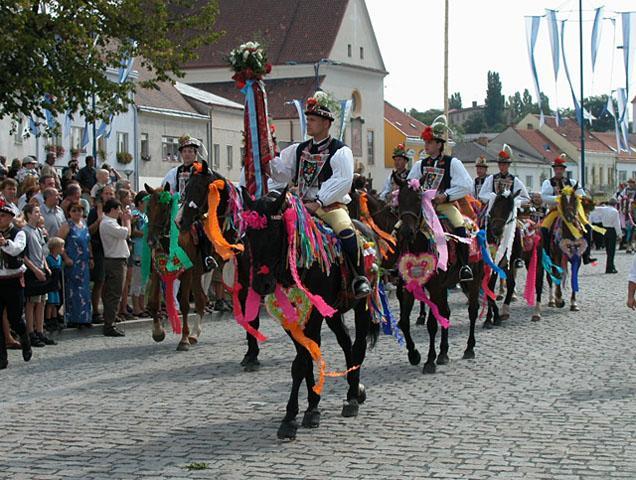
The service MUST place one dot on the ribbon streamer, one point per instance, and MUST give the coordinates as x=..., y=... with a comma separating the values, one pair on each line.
x=418, y=292
x=576, y=264
x=488, y=293
x=436, y=227
x=252, y=304
x=171, y=306
x=390, y=320
x=211, y=226
x=248, y=91
x=483, y=246
x=530, y=291
x=548, y=266
x=367, y=218
x=177, y=259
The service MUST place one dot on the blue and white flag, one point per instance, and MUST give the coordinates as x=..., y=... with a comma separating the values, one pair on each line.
x=609, y=108
x=85, y=136
x=629, y=49
x=596, y=34
x=580, y=116
x=532, y=32
x=301, y=118
x=33, y=127
x=345, y=111
x=68, y=118
x=553, y=30
x=623, y=123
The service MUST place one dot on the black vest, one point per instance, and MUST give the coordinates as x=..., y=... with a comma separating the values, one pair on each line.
x=479, y=182
x=326, y=171
x=558, y=185
x=443, y=163
x=497, y=176
x=9, y=261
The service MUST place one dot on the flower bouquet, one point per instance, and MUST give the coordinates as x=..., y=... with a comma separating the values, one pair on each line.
x=249, y=62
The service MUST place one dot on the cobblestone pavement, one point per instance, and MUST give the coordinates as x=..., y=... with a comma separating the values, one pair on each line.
x=549, y=400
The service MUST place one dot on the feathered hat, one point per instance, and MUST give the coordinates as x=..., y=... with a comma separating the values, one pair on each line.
x=318, y=105
x=560, y=161
x=505, y=154
x=481, y=162
x=437, y=130
x=4, y=208
x=399, y=151
x=188, y=141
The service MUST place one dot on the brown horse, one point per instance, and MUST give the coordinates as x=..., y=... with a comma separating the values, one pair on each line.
x=158, y=238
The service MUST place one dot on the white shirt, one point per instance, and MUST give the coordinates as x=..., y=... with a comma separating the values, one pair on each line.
x=114, y=238
x=547, y=192
x=333, y=190
x=388, y=186
x=13, y=248
x=271, y=183
x=487, y=191
x=461, y=183
x=610, y=218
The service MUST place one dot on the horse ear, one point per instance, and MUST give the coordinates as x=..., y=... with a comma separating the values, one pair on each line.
x=166, y=187
x=278, y=204
x=398, y=180
x=247, y=199
x=149, y=189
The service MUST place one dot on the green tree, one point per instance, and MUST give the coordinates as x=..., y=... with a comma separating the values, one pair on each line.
x=455, y=101
x=426, y=117
x=495, y=102
x=597, y=106
x=475, y=123
x=56, y=55
x=515, y=107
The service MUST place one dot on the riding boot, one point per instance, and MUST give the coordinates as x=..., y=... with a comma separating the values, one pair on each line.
x=25, y=343
x=465, y=273
x=360, y=285
x=205, y=247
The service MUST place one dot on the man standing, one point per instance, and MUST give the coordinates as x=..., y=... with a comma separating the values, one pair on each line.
x=48, y=169
x=177, y=177
x=87, y=176
x=400, y=159
x=52, y=213
x=452, y=180
x=612, y=223
x=114, y=239
x=504, y=180
x=481, y=167
x=322, y=170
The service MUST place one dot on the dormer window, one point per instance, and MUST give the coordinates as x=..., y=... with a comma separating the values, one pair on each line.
x=349, y=50
x=361, y=53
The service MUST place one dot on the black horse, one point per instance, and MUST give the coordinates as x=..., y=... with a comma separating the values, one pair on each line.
x=268, y=250
x=411, y=239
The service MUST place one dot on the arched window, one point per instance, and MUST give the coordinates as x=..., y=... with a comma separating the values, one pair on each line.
x=356, y=104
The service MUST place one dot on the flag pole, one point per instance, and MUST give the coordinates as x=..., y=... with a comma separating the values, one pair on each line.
x=582, y=119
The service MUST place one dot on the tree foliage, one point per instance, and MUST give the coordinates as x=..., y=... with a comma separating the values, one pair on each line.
x=519, y=105
x=597, y=106
x=426, y=117
x=56, y=55
x=455, y=101
x=495, y=102
x=475, y=123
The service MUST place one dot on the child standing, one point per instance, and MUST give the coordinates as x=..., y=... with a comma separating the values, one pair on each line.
x=139, y=222
x=103, y=179
x=54, y=298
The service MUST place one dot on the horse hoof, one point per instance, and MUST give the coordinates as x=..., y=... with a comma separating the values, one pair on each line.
x=560, y=304
x=574, y=308
x=499, y=297
x=429, y=368
x=504, y=316
x=536, y=318
x=414, y=357
x=362, y=394
x=287, y=430
x=442, y=359
x=488, y=325
x=183, y=347
x=350, y=408
x=497, y=322
x=551, y=303
x=253, y=365
x=468, y=355
x=421, y=320
x=159, y=337
x=311, y=418
x=193, y=340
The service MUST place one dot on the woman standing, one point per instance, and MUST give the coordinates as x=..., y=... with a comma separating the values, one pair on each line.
x=78, y=259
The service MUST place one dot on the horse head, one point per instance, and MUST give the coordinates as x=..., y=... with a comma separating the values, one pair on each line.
x=266, y=238
x=158, y=210
x=409, y=209
x=195, y=195
x=569, y=204
x=501, y=213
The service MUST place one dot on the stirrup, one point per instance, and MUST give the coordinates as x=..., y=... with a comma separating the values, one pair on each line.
x=361, y=287
x=465, y=274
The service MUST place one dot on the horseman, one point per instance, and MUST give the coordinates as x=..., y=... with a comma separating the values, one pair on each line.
x=322, y=170
x=481, y=167
x=504, y=180
x=400, y=160
x=451, y=180
x=189, y=150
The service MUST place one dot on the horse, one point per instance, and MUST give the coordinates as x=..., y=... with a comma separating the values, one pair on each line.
x=500, y=222
x=268, y=246
x=159, y=209
x=412, y=240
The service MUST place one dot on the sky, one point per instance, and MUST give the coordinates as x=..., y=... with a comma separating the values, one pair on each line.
x=490, y=35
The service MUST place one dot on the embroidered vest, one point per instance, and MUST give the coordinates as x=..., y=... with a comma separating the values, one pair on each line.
x=9, y=261
x=443, y=162
x=479, y=182
x=313, y=172
x=502, y=182
x=558, y=184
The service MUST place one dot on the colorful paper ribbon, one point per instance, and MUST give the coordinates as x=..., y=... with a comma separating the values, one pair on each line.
x=483, y=246
x=436, y=227
x=212, y=227
x=548, y=265
x=390, y=323
x=419, y=294
x=530, y=291
x=248, y=91
x=388, y=246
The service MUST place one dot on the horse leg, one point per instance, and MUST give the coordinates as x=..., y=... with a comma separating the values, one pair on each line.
x=184, y=303
x=200, y=301
x=406, y=305
x=511, y=284
x=158, y=332
x=311, y=418
x=421, y=319
x=492, y=319
x=250, y=360
x=431, y=326
x=338, y=327
x=574, y=307
x=442, y=358
x=559, y=302
x=357, y=393
x=289, y=426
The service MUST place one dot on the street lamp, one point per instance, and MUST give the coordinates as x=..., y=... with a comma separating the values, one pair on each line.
x=322, y=61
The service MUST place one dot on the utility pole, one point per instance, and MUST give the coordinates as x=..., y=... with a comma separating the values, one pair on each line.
x=446, y=61
x=582, y=119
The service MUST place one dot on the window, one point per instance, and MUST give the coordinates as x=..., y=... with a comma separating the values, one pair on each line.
x=170, y=149
x=529, y=182
x=122, y=142
x=361, y=53
x=568, y=174
x=216, y=161
x=230, y=156
x=370, y=147
x=143, y=140
x=77, y=134
x=349, y=50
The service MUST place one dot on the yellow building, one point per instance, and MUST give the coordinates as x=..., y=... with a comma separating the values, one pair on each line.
x=400, y=127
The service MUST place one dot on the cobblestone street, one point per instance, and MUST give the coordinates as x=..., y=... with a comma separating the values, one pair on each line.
x=548, y=400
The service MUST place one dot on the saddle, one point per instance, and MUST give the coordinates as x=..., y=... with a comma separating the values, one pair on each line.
x=474, y=253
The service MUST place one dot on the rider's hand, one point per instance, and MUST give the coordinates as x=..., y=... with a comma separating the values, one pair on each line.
x=312, y=206
x=440, y=198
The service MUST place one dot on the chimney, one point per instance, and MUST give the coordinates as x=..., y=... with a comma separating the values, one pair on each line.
x=474, y=104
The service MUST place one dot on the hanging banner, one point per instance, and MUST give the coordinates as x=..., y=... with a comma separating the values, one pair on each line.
x=301, y=117
x=596, y=34
x=345, y=111
x=532, y=32
x=85, y=136
x=623, y=123
x=553, y=30
x=610, y=109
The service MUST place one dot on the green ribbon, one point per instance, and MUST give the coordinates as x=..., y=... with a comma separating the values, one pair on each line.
x=146, y=254
x=177, y=258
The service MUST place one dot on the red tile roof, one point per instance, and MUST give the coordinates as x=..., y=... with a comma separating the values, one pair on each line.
x=609, y=139
x=279, y=91
x=540, y=143
x=285, y=27
x=570, y=130
x=408, y=125
x=166, y=97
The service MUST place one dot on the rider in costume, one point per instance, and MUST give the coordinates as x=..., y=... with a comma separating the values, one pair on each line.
x=189, y=150
x=455, y=184
x=322, y=170
x=400, y=160
x=504, y=180
x=481, y=167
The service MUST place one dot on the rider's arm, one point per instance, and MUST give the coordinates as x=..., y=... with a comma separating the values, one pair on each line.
x=282, y=168
x=580, y=191
x=523, y=198
x=461, y=182
x=416, y=171
x=336, y=188
x=547, y=193
x=486, y=192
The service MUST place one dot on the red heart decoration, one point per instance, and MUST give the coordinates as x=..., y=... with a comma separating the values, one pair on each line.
x=419, y=268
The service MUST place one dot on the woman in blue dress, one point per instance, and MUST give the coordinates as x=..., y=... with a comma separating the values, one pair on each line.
x=77, y=258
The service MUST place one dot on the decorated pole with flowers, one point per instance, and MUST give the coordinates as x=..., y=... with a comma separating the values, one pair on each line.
x=249, y=63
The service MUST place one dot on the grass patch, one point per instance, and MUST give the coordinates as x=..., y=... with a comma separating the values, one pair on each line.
x=197, y=466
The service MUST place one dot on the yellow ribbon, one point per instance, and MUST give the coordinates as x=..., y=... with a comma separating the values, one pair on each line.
x=580, y=215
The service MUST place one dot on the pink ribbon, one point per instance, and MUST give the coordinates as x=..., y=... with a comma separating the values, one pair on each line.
x=418, y=292
x=436, y=227
x=254, y=220
x=484, y=283
x=252, y=304
x=289, y=312
x=531, y=280
x=317, y=301
x=171, y=306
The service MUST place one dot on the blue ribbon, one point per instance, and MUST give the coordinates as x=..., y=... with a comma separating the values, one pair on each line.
x=576, y=263
x=483, y=246
x=596, y=34
x=548, y=266
x=532, y=32
x=391, y=324
x=248, y=91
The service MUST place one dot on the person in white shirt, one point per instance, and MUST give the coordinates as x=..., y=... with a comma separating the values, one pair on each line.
x=189, y=149
x=114, y=240
x=504, y=180
x=611, y=221
x=400, y=160
x=451, y=180
x=322, y=170
x=481, y=167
